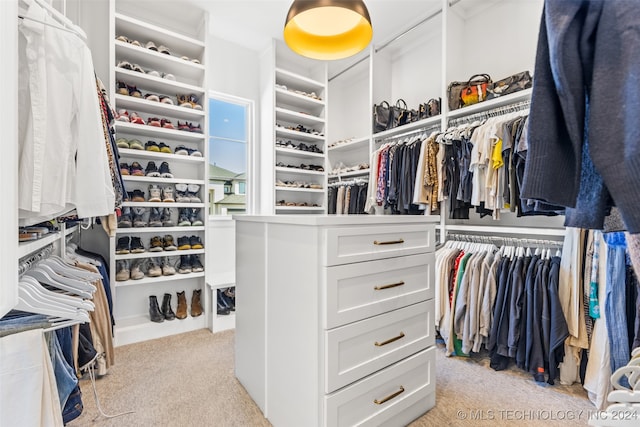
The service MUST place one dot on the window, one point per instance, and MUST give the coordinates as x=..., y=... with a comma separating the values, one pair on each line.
x=230, y=130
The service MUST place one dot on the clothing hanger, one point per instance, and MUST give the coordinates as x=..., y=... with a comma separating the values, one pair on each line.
x=30, y=283
x=30, y=303
x=66, y=269
x=44, y=278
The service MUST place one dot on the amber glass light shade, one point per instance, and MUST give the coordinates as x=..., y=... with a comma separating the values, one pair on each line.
x=328, y=29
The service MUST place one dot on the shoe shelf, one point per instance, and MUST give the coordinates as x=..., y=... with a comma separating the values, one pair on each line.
x=146, y=279
x=299, y=208
x=154, y=155
x=25, y=248
x=284, y=115
x=163, y=63
x=355, y=144
x=131, y=103
x=298, y=171
x=156, y=84
x=359, y=172
x=299, y=153
x=162, y=205
x=297, y=100
x=178, y=44
x=298, y=136
x=129, y=330
x=157, y=132
x=148, y=254
x=300, y=190
x=295, y=81
x=160, y=230
x=150, y=179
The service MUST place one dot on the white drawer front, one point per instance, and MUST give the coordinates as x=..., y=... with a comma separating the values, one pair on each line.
x=356, y=244
x=378, y=398
x=358, y=291
x=361, y=348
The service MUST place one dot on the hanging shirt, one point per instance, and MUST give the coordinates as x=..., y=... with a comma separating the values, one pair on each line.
x=63, y=161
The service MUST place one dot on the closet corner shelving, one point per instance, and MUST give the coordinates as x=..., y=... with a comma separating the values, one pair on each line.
x=181, y=72
x=296, y=125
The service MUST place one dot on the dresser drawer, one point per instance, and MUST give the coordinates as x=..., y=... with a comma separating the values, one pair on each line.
x=361, y=290
x=356, y=244
x=379, y=398
x=361, y=348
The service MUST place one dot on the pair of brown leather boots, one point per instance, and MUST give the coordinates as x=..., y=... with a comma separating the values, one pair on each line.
x=158, y=314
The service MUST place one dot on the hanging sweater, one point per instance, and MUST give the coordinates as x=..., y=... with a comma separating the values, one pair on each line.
x=585, y=103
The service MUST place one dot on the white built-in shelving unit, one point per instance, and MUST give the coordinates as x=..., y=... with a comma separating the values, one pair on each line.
x=296, y=95
x=186, y=64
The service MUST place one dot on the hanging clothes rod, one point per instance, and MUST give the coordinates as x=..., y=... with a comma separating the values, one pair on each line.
x=505, y=240
x=25, y=264
x=495, y=112
x=49, y=24
x=426, y=129
x=395, y=38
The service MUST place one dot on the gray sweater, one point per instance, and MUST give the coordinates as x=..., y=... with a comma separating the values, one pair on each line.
x=584, y=125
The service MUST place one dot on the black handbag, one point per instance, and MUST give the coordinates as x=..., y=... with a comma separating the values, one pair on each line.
x=400, y=113
x=382, y=116
x=511, y=84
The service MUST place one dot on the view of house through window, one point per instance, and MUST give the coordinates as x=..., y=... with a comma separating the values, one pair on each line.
x=229, y=133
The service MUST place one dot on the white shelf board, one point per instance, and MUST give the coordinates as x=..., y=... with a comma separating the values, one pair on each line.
x=300, y=190
x=297, y=82
x=284, y=115
x=160, y=180
x=139, y=328
x=298, y=171
x=157, y=108
x=298, y=136
x=178, y=44
x=159, y=230
x=152, y=155
x=69, y=230
x=148, y=254
x=299, y=208
x=150, y=60
x=222, y=280
x=512, y=98
x=153, y=280
x=359, y=172
x=430, y=122
x=507, y=230
x=298, y=153
x=355, y=144
x=26, y=248
x=162, y=205
x=297, y=100
x=157, y=84
x=157, y=132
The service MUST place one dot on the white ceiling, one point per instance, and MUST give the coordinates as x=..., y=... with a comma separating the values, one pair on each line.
x=253, y=23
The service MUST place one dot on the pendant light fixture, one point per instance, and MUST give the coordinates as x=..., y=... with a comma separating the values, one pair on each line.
x=328, y=29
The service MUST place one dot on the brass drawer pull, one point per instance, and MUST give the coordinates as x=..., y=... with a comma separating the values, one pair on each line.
x=389, y=341
x=388, y=242
x=391, y=396
x=391, y=285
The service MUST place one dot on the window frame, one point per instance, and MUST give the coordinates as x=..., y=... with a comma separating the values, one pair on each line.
x=250, y=132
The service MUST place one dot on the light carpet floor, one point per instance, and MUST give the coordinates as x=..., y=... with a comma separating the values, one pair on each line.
x=188, y=380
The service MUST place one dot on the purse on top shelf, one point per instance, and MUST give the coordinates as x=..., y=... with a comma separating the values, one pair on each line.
x=474, y=90
x=511, y=84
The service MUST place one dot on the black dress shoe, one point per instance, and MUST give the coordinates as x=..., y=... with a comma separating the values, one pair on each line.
x=167, y=312
x=227, y=300
x=154, y=310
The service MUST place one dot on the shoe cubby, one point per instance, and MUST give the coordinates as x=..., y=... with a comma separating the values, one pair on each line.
x=158, y=75
x=297, y=126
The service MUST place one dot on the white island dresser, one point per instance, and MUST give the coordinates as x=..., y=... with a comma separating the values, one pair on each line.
x=334, y=320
